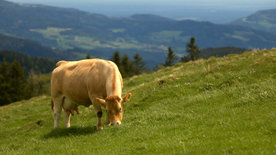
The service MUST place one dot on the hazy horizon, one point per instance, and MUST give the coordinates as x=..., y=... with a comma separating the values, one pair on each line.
x=202, y=10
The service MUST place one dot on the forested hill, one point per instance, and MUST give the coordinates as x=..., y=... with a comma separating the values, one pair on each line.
x=25, y=46
x=70, y=28
x=33, y=48
x=264, y=20
x=36, y=64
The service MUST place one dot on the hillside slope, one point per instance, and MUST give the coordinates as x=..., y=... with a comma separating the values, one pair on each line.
x=70, y=28
x=264, y=20
x=215, y=106
x=25, y=46
x=33, y=48
x=28, y=63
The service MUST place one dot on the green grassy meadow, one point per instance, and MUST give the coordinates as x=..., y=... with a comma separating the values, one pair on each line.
x=216, y=106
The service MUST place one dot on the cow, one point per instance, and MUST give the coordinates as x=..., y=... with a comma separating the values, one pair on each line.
x=87, y=82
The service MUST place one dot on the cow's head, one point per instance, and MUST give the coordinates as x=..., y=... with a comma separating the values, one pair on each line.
x=114, y=108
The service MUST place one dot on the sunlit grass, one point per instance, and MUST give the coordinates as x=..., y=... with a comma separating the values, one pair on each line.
x=216, y=106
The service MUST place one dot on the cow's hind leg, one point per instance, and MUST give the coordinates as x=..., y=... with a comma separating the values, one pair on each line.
x=99, y=113
x=67, y=112
x=67, y=116
x=57, y=107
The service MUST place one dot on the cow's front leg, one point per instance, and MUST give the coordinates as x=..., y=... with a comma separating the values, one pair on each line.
x=99, y=123
x=67, y=116
x=99, y=113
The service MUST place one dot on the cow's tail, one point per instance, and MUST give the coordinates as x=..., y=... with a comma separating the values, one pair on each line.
x=61, y=63
x=52, y=104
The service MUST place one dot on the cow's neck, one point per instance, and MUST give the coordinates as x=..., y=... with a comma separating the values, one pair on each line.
x=114, y=88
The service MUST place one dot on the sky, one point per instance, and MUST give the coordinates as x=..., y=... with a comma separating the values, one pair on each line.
x=154, y=1
x=217, y=11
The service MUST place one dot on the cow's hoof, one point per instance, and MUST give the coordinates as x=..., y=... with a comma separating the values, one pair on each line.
x=99, y=127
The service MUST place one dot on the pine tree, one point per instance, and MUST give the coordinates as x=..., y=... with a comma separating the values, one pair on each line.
x=127, y=66
x=171, y=58
x=32, y=83
x=13, y=84
x=116, y=58
x=88, y=56
x=19, y=85
x=192, y=49
x=138, y=64
x=185, y=59
x=5, y=83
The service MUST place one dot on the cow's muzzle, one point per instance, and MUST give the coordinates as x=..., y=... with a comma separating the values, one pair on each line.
x=115, y=123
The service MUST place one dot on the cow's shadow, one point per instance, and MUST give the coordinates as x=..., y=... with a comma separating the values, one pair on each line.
x=72, y=131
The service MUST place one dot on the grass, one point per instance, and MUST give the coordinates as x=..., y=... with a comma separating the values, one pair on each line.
x=216, y=106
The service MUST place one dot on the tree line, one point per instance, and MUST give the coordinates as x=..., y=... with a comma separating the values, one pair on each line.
x=136, y=66
x=15, y=85
x=193, y=54
x=126, y=66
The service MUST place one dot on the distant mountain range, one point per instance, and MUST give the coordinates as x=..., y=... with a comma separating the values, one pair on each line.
x=81, y=32
x=262, y=20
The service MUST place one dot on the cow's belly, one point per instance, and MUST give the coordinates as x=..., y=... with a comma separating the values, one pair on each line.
x=74, y=102
x=79, y=101
x=76, y=96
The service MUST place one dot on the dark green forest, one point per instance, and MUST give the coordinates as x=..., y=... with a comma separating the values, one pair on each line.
x=16, y=86
x=23, y=76
x=38, y=65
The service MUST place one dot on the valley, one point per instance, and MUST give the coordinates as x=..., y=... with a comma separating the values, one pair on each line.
x=79, y=32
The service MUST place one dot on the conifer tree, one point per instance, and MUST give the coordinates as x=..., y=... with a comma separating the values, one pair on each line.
x=13, y=84
x=127, y=66
x=138, y=64
x=192, y=49
x=171, y=57
x=88, y=56
x=5, y=83
x=19, y=86
x=185, y=59
x=116, y=58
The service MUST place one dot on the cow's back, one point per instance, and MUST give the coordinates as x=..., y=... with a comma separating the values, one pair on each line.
x=78, y=80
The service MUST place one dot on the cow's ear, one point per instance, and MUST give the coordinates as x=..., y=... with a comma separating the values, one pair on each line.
x=126, y=97
x=102, y=101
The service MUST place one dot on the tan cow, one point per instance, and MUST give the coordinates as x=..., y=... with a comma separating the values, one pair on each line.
x=87, y=82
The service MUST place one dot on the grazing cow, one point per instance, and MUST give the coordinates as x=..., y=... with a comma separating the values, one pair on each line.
x=87, y=82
